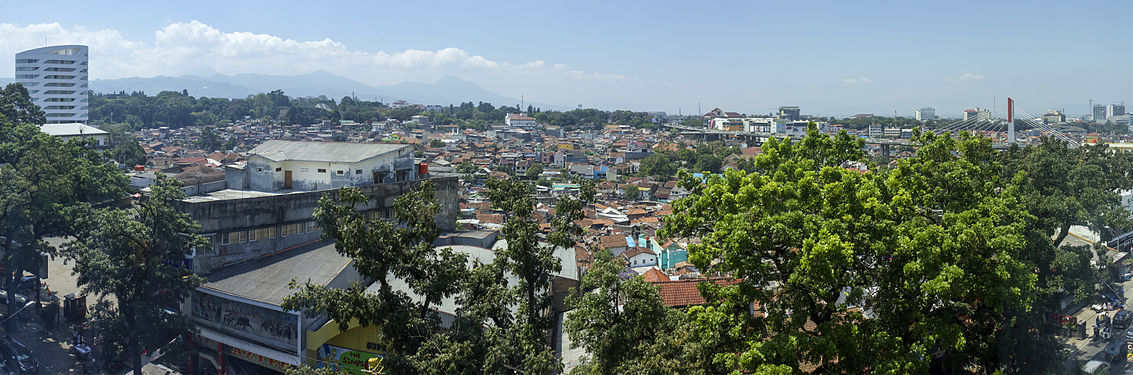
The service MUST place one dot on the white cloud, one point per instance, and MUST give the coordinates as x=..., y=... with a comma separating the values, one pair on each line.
x=856, y=80
x=197, y=48
x=970, y=77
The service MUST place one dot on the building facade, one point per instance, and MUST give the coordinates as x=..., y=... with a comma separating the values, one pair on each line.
x=1113, y=110
x=978, y=114
x=926, y=113
x=791, y=113
x=56, y=79
x=276, y=166
x=1099, y=113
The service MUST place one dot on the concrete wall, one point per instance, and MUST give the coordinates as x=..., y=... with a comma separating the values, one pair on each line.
x=268, y=175
x=205, y=188
x=220, y=217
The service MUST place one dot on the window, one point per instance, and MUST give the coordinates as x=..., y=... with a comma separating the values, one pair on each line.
x=243, y=236
x=26, y=68
x=259, y=169
x=25, y=76
x=277, y=169
x=357, y=171
x=311, y=226
x=304, y=170
x=339, y=172
x=25, y=61
x=227, y=238
x=322, y=170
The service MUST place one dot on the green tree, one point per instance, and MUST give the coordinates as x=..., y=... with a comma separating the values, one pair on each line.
x=657, y=164
x=533, y=171
x=231, y=143
x=633, y=192
x=381, y=250
x=16, y=107
x=135, y=256
x=436, y=143
x=615, y=320
x=45, y=181
x=466, y=168
x=534, y=262
x=124, y=147
x=853, y=272
x=209, y=141
x=1067, y=186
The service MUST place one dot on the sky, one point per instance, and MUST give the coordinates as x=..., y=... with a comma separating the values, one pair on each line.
x=832, y=58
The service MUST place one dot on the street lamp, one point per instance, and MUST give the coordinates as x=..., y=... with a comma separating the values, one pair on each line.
x=10, y=316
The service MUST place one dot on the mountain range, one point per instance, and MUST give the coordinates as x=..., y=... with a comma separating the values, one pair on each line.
x=447, y=90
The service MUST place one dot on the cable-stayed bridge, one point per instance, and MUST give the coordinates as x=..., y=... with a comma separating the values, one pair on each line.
x=989, y=126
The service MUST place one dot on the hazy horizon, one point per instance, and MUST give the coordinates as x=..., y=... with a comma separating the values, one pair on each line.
x=829, y=58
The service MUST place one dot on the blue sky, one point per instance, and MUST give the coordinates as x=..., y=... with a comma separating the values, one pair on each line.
x=830, y=57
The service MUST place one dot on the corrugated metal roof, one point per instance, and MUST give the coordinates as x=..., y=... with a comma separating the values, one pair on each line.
x=340, y=152
x=71, y=129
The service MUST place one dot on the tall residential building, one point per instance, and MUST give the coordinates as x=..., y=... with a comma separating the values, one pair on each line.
x=1054, y=117
x=56, y=78
x=1099, y=113
x=790, y=113
x=926, y=113
x=978, y=114
x=1114, y=110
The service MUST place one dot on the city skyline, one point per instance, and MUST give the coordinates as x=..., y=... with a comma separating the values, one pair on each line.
x=828, y=58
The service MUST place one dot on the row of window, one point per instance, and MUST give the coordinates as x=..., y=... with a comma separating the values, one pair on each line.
x=246, y=236
x=26, y=61
x=59, y=61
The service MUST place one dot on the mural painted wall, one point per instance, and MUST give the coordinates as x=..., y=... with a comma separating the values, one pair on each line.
x=273, y=328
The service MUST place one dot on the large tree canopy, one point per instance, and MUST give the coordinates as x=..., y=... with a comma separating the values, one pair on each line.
x=850, y=271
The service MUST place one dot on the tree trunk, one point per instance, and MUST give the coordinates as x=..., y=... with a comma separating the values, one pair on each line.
x=1061, y=235
x=13, y=306
x=132, y=348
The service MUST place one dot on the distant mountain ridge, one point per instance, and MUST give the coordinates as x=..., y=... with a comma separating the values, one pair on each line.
x=447, y=90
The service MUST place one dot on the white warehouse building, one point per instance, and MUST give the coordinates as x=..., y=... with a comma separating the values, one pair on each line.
x=277, y=165
x=56, y=79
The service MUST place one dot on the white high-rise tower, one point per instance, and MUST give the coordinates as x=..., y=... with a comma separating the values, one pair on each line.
x=56, y=78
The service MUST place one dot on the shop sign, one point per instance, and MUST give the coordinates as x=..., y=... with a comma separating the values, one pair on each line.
x=351, y=361
x=258, y=359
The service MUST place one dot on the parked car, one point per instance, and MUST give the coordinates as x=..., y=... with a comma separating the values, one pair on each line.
x=1095, y=367
x=1114, y=351
x=1122, y=318
x=18, y=356
x=20, y=299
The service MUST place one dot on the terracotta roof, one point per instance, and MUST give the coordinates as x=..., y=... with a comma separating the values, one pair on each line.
x=608, y=242
x=490, y=218
x=655, y=275
x=682, y=293
x=635, y=251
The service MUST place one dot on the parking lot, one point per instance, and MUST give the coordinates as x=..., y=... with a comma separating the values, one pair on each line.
x=1092, y=347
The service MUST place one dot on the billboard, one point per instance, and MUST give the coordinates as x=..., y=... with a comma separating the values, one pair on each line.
x=351, y=361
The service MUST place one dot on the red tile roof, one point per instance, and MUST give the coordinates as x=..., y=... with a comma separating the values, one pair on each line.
x=654, y=275
x=682, y=293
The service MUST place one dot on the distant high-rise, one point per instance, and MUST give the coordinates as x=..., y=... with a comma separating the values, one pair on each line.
x=926, y=113
x=56, y=78
x=978, y=114
x=790, y=113
x=1114, y=110
x=1099, y=113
